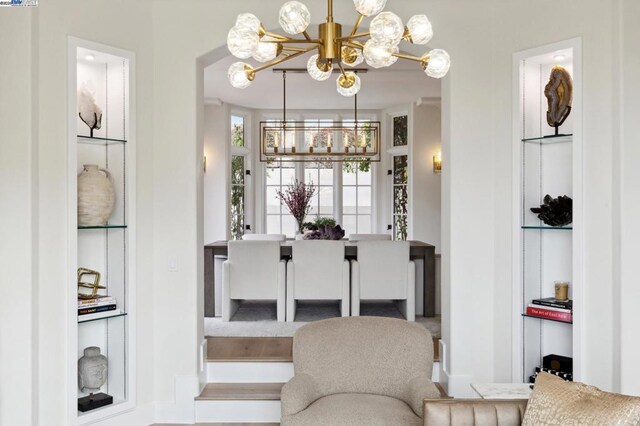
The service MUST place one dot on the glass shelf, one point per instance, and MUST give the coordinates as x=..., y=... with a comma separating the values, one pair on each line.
x=550, y=139
x=99, y=141
x=115, y=315
x=103, y=227
x=561, y=228
x=547, y=319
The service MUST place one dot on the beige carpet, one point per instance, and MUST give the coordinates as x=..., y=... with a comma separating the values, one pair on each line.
x=258, y=319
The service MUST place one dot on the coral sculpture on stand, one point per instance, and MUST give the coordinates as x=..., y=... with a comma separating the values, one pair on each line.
x=555, y=211
x=88, y=110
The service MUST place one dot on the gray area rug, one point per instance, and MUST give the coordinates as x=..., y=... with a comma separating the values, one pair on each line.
x=258, y=319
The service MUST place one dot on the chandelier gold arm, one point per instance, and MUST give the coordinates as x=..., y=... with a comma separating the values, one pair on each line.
x=293, y=49
x=306, y=35
x=251, y=72
x=354, y=36
x=357, y=24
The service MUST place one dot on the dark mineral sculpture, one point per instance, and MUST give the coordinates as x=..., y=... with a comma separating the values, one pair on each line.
x=559, y=93
x=325, y=232
x=555, y=211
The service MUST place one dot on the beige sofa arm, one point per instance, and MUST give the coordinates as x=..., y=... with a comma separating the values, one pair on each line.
x=474, y=412
x=418, y=389
x=298, y=393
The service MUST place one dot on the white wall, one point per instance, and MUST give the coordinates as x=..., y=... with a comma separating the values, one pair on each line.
x=215, y=126
x=18, y=149
x=476, y=242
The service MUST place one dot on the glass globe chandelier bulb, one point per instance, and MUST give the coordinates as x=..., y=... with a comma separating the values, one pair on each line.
x=387, y=29
x=242, y=41
x=420, y=29
x=349, y=85
x=239, y=75
x=316, y=72
x=266, y=52
x=377, y=55
x=294, y=17
x=369, y=7
x=248, y=20
x=351, y=57
x=438, y=63
x=392, y=59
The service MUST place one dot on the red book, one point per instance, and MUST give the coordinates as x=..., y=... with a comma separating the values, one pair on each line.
x=550, y=314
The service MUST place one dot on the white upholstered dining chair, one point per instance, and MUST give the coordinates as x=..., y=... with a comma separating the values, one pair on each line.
x=370, y=237
x=317, y=271
x=384, y=271
x=253, y=271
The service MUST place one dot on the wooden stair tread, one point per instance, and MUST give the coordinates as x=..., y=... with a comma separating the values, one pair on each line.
x=263, y=349
x=250, y=349
x=241, y=391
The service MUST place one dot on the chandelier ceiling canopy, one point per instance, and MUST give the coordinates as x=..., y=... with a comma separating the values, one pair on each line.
x=249, y=39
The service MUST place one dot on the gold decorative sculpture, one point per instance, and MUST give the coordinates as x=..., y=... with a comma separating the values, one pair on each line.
x=559, y=93
x=94, y=286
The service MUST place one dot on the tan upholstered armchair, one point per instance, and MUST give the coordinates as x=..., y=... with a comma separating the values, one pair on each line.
x=359, y=370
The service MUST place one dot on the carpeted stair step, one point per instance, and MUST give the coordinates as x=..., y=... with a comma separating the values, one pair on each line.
x=241, y=392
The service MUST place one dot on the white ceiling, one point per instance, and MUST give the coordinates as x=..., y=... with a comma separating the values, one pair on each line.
x=402, y=83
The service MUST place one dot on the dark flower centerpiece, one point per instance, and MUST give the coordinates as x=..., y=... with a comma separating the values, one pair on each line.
x=297, y=198
x=555, y=211
x=323, y=228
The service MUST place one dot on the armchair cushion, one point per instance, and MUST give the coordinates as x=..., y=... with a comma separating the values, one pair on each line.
x=354, y=409
x=556, y=402
x=474, y=412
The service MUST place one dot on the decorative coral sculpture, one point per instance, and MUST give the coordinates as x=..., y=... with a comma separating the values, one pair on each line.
x=88, y=110
x=326, y=232
x=555, y=211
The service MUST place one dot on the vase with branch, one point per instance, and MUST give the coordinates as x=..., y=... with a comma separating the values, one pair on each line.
x=297, y=198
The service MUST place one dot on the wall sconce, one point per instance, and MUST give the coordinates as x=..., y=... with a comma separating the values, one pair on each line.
x=437, y=163
x=204, y=164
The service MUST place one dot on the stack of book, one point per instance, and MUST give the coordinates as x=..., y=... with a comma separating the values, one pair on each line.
x=550, y=308
x=99, y=307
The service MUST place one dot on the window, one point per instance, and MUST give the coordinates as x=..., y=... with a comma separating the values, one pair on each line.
x=400, y=133
x=356, y=197
x=278, y=176
x=320, y=175
x=400, y=197
x=239, y=164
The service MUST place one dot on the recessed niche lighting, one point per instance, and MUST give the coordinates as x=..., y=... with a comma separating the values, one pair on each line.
x=89, y=57
x=559, y=58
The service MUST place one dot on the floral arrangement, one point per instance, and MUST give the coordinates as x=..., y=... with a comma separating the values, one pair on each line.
x=297, y=198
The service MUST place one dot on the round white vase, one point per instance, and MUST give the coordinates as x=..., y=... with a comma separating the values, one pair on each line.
x=96, y=196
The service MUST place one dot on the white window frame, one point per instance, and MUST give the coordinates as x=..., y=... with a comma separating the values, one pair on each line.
x=246, y=152
x=393, y=151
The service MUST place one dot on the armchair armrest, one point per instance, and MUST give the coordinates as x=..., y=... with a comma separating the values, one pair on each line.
x=298, y=393
x=418, y=389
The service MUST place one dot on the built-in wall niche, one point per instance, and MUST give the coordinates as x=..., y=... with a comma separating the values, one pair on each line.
x=100, y=138
x=547, y=162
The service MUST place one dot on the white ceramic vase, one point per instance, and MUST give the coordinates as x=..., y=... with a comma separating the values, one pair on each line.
x=96, y=196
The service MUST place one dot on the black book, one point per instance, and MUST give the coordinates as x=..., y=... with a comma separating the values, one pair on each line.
x=553, y=303
x=96, y=309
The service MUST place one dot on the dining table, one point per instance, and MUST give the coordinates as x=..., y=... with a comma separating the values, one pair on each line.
x=418, y=250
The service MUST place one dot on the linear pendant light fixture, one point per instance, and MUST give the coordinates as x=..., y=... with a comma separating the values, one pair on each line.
x=318, y=141
x=248, y=38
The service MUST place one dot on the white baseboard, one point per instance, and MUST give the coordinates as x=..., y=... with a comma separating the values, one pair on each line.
x=238, y=411
x=182, y=409
x=459, y=386
x=435, y=374
x=141, y=415
x=249, y=372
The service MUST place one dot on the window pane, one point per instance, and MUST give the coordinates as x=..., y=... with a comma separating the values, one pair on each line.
x=364, y=200
x=273, y=203
x=313, y=211
x=326, y=200
x=400, y=227
x=288, y=174
x=273, y=224
x=349, y=200
x=273, y=173
x=326, y=175
x=364, y=224
x=349, y=173
x=237, y=130
x=237, y=170
x=400, y=200
x=289, y=226
x=400, y=133
x=364, y=178
x=400, y=169
x=349, y=224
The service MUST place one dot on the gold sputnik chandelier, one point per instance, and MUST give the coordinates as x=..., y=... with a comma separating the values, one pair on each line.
x=248, y=38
